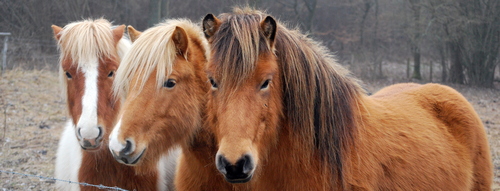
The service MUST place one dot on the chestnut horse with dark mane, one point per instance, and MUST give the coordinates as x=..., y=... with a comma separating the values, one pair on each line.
x=163, y=82
x=286, y=116
x=90, y=55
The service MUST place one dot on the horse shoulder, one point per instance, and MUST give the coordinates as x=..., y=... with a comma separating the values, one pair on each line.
x=68, y=159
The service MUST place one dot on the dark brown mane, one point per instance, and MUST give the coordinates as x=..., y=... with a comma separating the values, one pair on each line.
x=320, y=97
x=239, y=41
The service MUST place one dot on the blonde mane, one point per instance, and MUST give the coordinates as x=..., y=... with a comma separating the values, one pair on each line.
x=153, y=49
x=85, y=40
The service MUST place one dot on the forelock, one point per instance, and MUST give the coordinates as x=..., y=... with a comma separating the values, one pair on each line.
x=236, y=47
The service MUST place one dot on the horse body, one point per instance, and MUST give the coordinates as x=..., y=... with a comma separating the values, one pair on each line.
x=441, y=139
x=286, y=116
x=163, y=82
x=90, y=54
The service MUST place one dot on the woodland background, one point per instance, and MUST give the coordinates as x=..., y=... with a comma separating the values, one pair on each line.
x=453, y=41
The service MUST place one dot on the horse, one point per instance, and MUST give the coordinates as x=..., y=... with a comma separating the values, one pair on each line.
x=90, y=53
x=163, y=82
x=286, y=116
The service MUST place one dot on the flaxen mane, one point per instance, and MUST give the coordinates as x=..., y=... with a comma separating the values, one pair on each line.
x=320, y=96
x=154, y=49
x=87, y=40
x=83, y=40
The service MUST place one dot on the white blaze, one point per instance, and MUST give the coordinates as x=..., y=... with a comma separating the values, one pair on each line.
x=88, y=119
x=114, y=145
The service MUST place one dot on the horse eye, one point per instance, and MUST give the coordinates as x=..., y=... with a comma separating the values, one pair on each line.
x=265, y=84
x=111, y=74
x=214, y=85
x=68, y=75
x=170, y=83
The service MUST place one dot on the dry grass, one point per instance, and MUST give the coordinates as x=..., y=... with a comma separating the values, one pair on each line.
x=35, y=114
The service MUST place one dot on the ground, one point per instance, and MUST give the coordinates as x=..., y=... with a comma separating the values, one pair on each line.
x=32, y=114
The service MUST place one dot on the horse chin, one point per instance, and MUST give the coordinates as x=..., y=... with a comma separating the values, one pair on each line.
x=239, y=180
x=91, y=148
x=132, y=160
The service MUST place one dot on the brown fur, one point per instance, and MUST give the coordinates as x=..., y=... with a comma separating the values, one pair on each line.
x=157, y=118
x=315, y=129
x=133, y=34
x=98, y=167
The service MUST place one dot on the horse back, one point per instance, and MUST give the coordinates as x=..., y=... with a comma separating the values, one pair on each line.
x=464, y=124
x=436, y=126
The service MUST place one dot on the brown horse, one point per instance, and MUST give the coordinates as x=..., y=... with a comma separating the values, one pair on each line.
x=90, y=55
x=164, y=84
x=286, y=116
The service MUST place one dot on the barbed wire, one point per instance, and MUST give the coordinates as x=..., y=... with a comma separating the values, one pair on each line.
x=67, y=181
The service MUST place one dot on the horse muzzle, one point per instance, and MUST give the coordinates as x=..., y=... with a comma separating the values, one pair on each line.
x=127, y=155
x=239, y=172
x=90, y=144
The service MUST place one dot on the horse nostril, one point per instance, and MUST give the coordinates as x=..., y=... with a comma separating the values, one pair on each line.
x=128, y=148
x=78, y=134
x=242, y=169
x=247, y=164
x=244, y=165
x=222, y=164
x=100, y=132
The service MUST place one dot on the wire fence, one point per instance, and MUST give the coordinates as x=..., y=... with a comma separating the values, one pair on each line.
x=102, y=187
x=31, y=53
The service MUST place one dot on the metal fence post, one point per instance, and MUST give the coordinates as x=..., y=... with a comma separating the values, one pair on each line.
x=4, y=52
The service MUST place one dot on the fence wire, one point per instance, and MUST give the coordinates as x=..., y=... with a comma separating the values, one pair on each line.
x=67, y=181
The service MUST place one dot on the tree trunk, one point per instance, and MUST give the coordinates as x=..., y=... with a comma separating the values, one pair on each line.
x=416, y=63
x=415, y=38
x=456, y=68
x=154, y=12
x=166, y=9
x=311, y=9
x=480, y=74
x=408, y=68
x=442, y=55
x=366, y=10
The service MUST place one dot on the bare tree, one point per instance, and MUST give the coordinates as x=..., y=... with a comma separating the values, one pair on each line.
x=415, y=37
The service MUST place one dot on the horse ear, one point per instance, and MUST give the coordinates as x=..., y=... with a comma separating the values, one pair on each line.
x=180, y=40
x=269, y=26
x=118, y=33
x=133, y=34
x=210, y=25
x=57, y=31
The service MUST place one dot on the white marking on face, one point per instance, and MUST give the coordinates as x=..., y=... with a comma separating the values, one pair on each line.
x=88, y=119
x=114, y=144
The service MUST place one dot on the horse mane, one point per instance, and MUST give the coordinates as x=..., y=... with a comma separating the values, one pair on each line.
x=154, y=49
x=85, y=40
x=320, y=96
x=239, y=43
x=82, y=40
